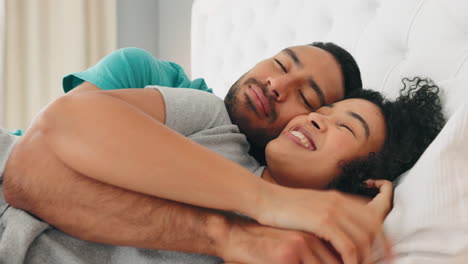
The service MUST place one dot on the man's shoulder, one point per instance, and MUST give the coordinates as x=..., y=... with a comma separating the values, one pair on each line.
x=190, y=94
x=189, y=110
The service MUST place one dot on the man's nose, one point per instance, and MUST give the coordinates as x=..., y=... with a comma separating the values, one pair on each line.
x=281, y=86
x=318, y=121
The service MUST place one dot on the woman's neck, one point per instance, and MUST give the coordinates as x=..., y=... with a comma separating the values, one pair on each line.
x=266, y=175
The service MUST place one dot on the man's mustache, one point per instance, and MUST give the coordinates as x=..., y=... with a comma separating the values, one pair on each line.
x=270, y=98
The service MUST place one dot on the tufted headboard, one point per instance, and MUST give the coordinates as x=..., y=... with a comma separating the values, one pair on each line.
x=390, y=39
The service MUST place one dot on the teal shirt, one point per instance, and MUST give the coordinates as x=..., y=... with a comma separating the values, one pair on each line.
x=17, y=132
x=133, y=68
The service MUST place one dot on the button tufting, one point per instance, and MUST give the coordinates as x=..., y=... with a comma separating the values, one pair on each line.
x=387, y=37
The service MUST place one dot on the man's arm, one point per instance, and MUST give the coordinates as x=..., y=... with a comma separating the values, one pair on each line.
x=11, y=192
x=143, y=146
x=98, y=212
x=101, y=213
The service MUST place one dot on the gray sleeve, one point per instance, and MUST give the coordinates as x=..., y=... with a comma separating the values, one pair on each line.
x=189, y=111
x=7, y=142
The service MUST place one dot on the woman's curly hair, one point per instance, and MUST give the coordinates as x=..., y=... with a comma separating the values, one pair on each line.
x=413, y=120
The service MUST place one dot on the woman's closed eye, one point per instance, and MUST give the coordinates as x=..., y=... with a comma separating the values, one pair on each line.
x=348, y=128
x=281, y=65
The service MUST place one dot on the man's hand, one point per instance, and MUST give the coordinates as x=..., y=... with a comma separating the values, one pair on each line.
x=383, y=201
x=382, y=204
x=349, y=225
x=250, y=243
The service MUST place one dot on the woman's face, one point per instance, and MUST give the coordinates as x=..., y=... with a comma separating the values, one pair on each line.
x=312, y=148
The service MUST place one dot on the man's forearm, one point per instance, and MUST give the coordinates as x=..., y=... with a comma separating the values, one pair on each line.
x=91, y=210
x=160, y=160
x=98, y=212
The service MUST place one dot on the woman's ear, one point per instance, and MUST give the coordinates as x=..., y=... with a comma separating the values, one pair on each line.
x=341, y=164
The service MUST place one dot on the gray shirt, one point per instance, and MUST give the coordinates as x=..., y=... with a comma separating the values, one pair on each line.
x=195, y=114
x=203, y=118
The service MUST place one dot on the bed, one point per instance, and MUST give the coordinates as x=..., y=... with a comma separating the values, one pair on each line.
x=390, y=39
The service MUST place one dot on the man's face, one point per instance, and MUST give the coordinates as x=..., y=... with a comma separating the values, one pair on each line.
x=294, y=82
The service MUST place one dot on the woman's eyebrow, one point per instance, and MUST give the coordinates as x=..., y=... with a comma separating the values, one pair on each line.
x=362, y=122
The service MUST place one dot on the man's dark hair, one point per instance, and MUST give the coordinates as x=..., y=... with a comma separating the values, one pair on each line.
x=412, y=121
x=349, y=67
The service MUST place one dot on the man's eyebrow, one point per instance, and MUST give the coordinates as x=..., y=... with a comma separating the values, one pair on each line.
x=317, y=89
x=329, y=105
x=362, y=121
x=293, y=56
x=311, y=81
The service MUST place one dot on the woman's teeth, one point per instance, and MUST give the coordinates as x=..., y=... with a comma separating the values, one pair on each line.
x=304, y=141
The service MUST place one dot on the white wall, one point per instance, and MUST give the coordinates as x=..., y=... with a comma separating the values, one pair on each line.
x=2, y=62
x=159, y=26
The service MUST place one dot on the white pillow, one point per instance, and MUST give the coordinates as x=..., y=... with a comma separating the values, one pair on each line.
x=429, y=219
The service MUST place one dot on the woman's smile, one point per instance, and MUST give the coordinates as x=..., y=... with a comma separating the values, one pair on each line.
x=301, y=137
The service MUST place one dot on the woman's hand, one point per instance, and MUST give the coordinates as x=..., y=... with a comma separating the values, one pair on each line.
x=350, y=226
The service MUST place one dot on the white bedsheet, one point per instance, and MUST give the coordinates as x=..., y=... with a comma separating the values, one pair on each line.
x=430, y=214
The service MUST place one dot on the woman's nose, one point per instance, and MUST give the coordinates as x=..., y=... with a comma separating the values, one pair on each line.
x=318, y=121
x=281, y=86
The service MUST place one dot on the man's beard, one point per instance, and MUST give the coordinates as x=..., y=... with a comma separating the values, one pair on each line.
x=230, y=100
x=257, y=136
x=233, y=103
x=233, y=107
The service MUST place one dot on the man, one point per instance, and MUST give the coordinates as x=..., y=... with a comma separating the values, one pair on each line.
x=275, y=90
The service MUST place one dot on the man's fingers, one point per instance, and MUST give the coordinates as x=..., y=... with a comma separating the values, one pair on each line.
x=385, y=187
x=324, y=252
x=361, y=237
x=386, y=247
x=383, y=200
x=341, y=242
x=361, y=224
x=310, y=258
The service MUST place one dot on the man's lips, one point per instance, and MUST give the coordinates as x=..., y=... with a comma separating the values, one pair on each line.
x=259, y=99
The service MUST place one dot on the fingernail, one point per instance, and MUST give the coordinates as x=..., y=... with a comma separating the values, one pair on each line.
x=370, y=183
